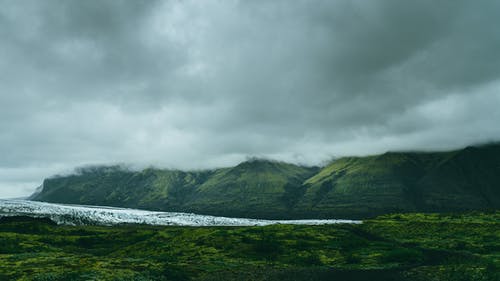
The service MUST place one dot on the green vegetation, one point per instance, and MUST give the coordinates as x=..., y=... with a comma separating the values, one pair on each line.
x=446, y=243
x=467, y=179
x=352, y=187
x=413, y=247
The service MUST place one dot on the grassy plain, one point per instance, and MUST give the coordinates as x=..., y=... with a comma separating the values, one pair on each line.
x=413, y=247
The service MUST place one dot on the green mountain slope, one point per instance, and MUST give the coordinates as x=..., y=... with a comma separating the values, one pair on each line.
x=351, y=187
x=467, y=179
x=114, y=186
x=256, y=188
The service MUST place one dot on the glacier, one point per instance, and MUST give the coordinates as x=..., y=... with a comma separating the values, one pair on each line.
x=66, y=214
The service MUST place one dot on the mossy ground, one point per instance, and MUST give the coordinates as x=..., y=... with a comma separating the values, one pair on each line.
x=393, y=247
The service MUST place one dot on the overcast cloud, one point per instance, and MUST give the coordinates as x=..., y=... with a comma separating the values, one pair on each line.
x=201, y=84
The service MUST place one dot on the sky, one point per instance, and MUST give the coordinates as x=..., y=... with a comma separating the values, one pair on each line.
x=191, y=84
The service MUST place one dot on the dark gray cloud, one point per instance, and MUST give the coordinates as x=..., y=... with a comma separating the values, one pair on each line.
x=196, y=84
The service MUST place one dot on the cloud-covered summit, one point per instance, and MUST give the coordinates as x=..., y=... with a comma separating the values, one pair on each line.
x=195, y=84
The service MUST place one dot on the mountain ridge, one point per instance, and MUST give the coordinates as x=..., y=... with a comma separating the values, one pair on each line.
x=348, y=187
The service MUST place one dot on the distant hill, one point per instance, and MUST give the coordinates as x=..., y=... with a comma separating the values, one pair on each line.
x=350, y=187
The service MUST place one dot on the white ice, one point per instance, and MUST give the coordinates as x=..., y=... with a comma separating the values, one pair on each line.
x=98, y=215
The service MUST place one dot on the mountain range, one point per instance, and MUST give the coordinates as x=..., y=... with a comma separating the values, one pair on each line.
x=349, y=187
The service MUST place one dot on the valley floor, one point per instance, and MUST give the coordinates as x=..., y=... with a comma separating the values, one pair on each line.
x=394, y=247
